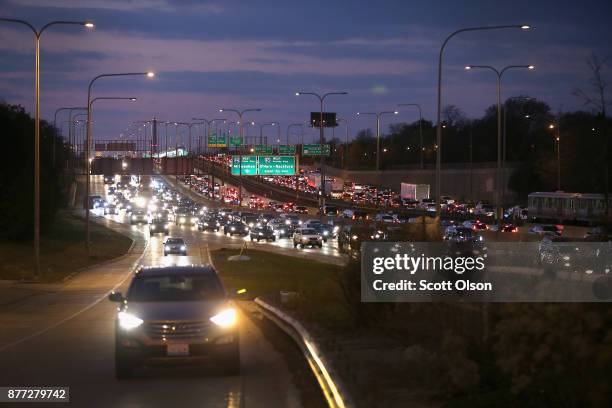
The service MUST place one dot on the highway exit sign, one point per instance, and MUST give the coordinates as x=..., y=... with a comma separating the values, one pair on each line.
x=316, y=150
x=286, y=149
x=263, y=149
x=264, y=166
x=217, y=140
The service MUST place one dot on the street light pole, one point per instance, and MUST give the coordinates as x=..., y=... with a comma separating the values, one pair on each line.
x=420, y=129
x=322, y=137
x=346, y=142
x=439, y=103
x=88, y=142
x=378, y=116
x=239, y=113
x=498, y=178
x=37, y=35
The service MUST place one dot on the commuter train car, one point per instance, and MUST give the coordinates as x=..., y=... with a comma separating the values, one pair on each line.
x=572, y=207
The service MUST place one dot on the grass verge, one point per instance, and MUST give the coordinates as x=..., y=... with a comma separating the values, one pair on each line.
x=62, y=250
x=319, y=297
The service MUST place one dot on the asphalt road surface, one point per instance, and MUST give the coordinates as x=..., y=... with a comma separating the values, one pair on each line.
x=65, y=337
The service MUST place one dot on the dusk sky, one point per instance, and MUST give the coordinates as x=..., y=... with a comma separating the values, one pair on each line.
x=248, y=54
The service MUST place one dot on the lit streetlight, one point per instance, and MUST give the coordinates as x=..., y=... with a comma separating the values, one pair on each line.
x=37, y=34
x=88, y=140
x=439, y=104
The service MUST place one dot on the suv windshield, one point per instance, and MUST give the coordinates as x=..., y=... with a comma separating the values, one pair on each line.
x=175, y=288
x=175, y=241
x=308, y=231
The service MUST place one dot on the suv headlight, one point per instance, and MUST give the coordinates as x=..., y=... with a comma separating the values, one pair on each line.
x=128, y=321
x=183, y=247
x=225, y=318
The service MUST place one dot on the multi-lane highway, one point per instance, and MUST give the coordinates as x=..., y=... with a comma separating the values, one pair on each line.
x=63, y=335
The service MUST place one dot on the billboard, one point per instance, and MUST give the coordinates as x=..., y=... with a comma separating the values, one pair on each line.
x=329, y=119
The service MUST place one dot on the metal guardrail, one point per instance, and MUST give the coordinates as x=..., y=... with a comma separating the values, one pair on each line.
x=334, y=392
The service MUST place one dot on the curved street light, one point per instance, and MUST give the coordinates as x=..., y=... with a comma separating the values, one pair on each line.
x=439, y=104
x=37, y=35
x=88, y=141
x=499, y=74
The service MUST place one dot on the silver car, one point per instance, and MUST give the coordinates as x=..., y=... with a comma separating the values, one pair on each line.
x=175, y=246
x=177, y=314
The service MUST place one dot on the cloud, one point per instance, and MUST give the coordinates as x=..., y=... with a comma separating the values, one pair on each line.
x=124, y=5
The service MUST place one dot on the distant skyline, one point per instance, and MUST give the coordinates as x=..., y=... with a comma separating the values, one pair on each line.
x=213, y=54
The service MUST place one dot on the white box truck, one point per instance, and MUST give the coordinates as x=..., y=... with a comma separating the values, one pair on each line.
x=417, y=192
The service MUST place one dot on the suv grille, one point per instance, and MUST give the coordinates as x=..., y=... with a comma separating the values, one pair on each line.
x=178, y=330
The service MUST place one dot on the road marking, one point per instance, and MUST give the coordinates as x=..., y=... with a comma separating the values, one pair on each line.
x=86, y=308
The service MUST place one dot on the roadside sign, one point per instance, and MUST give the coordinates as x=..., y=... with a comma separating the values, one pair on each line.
x=286, y=149
x=216, y=140
x=264, y=165
x=316, y=150
x=263, y=149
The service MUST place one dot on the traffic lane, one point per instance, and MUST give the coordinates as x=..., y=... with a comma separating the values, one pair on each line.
x=80, y=355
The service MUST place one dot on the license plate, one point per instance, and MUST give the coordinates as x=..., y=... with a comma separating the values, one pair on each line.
x=178, y=349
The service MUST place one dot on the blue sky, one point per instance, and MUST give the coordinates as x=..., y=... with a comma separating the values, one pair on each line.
x=246, y=54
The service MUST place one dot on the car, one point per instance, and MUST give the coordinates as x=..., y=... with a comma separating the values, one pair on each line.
x=329, y=210
x=546, y=230
x=266, y=217
x=281, y=229
x=475, y=225
x=182, y=216
x=138, y=217
x=158, y=226
x=173, y=315
x=383, y=217
x=208, y=224
x=509, y=228
x=360, y=215
x=350, y=237
x=235, y=228
x=303, y=237
x=175, y=245
x=110, y=209
x=264, y=232
x=300, y=209
x=109, y=179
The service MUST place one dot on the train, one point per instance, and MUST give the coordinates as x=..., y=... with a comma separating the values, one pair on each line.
x=569, y=207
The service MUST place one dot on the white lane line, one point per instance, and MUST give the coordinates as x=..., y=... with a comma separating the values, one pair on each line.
x=72, y=316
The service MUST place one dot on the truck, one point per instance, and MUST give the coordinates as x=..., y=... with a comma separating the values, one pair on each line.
x=416, y=192
x=337, y=188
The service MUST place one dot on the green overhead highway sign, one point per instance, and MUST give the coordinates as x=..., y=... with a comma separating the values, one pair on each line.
x=263, y=149
x=286, y=149
x=264, y=165
x=235, y=141
x=316, y=150
x=276, y=166
x=217, y=140
x=249, y=166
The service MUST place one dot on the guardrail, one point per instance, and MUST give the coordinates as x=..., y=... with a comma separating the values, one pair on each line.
x=334, y=392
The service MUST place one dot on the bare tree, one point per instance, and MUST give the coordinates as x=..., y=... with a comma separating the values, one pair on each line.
x=598, y=100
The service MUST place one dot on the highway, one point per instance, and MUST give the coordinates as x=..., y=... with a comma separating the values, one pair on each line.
x=66, y=333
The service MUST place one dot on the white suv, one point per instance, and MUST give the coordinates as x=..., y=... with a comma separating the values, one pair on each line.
x=307, y=236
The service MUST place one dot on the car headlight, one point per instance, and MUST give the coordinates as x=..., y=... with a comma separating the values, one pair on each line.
x=287, y=222
x=354, y=237
x=336, y=228
x=225, y=318
x=233, y=228
x=167, y=247
x=325, y=233
x=205, y=224
x=133, y=217
x=128, y=321
x=261, y=233
x=153, y=226
x=183, y=247
x=182, y=219
x=282, y=231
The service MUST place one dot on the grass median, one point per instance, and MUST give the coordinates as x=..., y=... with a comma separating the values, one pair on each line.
x=319, y=295
x=62, y=250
